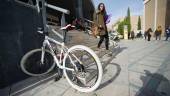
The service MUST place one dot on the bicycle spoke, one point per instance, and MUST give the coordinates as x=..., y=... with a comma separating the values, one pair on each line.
x=88, y=67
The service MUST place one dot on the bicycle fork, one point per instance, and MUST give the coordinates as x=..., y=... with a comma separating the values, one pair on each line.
x=43, y=52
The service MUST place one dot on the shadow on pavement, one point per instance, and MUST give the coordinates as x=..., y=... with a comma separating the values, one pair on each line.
x=117, y=67
x=122, y=48
x=33, y=82
x=118, y=50
x=114, y=75
x=158, y=85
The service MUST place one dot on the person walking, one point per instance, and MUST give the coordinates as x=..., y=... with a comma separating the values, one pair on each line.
x=149, y=34
x=128, y=35
x=99, y=20
x=158, y=33
x=132, y=34
x=145, y=35
x=167, y=33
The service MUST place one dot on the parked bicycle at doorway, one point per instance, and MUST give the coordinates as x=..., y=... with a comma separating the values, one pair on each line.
x=81, y=66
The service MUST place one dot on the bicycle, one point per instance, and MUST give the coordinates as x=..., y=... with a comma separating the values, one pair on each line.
x=81, y=66
x=114, y=39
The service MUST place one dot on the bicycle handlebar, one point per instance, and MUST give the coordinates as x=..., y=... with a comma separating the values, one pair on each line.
x=65, y=29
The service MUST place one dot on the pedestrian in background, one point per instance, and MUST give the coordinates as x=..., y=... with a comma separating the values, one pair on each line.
x=145, y=35
x=158, y=33
x=149, y=33
x=132, y=34
x=167, y=33
x=99, y=20
x=128, y=35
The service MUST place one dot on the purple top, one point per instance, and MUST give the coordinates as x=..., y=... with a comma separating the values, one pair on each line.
x=108, y=18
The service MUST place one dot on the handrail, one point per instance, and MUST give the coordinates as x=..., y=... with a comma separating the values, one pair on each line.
x=88, y=20
x=58, y=8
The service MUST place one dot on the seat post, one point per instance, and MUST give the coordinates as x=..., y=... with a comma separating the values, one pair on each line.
x=64, y=34
x=63, y=24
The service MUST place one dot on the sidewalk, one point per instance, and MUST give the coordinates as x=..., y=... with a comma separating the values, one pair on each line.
x=142, y=69
x=139, y=68
x=36, y=85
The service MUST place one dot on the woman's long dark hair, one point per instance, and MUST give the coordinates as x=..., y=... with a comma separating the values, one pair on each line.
x=104, y=10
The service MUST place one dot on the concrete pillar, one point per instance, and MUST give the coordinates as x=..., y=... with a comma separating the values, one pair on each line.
x=155, y=18
x=125, y=32
x=144, y=19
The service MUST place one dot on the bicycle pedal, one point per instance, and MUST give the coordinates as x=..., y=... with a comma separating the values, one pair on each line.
x=82, y=77
x=57, y=78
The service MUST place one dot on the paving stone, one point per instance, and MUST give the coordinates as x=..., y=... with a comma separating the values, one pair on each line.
x=52, y=90
x=138, y=80
x=142, y=68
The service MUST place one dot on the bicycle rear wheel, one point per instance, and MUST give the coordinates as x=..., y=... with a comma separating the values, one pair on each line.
x=88, y=69
x=31, y=63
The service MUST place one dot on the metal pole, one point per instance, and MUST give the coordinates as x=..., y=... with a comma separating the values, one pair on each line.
x=58, y=8
x=44, y=16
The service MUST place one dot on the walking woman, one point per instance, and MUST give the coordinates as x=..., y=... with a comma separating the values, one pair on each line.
x=145, y=35
x=158, y=33
x=99, y=19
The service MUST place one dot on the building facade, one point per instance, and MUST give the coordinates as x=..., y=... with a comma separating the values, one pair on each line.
x=134, y=23
x=156, y=13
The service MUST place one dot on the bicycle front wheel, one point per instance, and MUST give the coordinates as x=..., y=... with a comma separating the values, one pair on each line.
x=88, y=69
x=31, y=63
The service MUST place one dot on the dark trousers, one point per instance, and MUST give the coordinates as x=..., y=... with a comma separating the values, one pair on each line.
x=167, y=37
x=145, y=37
x=158, y=37
x=149, y=37
x=102, y=37
x=132, y=37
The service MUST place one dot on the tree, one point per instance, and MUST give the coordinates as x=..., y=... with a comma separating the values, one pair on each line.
x=139, y=23
x=121, y=27
x=127, y=20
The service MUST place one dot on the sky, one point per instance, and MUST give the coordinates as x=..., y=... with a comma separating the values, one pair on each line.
x=118, y=8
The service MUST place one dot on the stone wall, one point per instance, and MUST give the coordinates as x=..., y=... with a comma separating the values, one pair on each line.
x=18, y=35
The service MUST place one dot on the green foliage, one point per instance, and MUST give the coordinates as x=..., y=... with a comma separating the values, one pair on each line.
x=125, y=22
x=121, y=27
x=139, y=23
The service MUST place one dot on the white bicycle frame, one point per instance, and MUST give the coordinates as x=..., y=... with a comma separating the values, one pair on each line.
x=47, y=39
x=62, y=52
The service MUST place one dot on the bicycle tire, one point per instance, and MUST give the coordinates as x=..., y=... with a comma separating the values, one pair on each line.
x=25, y=59
x=99, y=72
